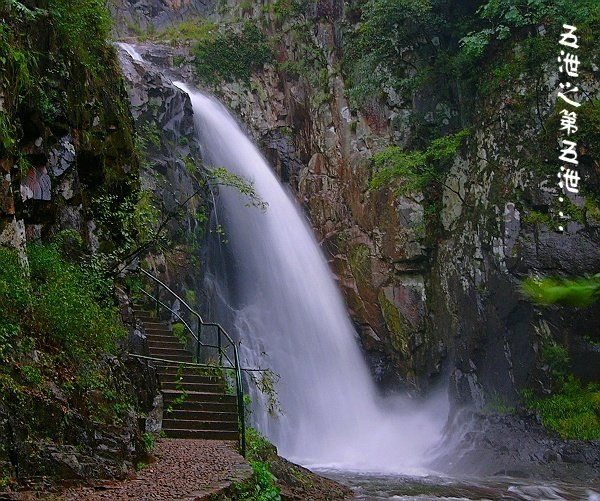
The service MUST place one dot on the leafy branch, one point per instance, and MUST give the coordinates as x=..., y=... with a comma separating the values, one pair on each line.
x=577, y=292
x=417, y=170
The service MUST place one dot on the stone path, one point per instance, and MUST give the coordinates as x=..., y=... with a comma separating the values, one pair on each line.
x=185, y=469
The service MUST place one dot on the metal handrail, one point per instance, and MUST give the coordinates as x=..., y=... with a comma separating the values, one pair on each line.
x=182, y=321
x=193, y=364
x=235, y=365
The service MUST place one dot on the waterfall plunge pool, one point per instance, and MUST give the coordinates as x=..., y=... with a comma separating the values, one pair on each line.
x=373, y=486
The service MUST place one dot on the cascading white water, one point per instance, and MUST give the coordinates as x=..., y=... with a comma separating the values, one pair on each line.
x=291, y=318
x=131, y=50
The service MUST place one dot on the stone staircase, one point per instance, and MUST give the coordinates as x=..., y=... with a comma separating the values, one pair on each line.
x=196, y=404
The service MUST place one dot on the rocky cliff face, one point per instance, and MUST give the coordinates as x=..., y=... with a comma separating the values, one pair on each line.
x=432, y=294
x=428, y=299
x=142, y=17
x=171, y=168
x=67, y=140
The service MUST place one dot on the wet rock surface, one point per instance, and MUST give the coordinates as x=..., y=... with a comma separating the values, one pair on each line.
x=66, y=445
x=515, y=446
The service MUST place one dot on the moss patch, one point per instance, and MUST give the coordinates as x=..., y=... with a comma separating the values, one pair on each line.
x=395, y=323
x=573, y=412
x=360, y=263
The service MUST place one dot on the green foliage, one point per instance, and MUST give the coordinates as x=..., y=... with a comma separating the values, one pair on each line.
x=503, y=19
x=132, y=220
x=182, y=397
x=284, y=10
x=535, y=218
x=257, y=446
x=179, y=332
x=557, y=358
x=64, y=314
x=17, y=68
x=190, y=165
x=221, y=176
x=58, y=69
x=573, y=412
x=266, y=382
x=379, y=44
x=411, y=45
x=417, y=170
x=83, y=27
x=575, y=292
x=263, y=487
x=146, y=140
x=148, y=439
x=230, y=55
x=188, y=30
x=309, y=63
x=588, y=134
x=497, y=404
x=62, y=304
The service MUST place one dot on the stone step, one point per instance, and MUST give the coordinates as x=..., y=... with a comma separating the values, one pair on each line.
x=192, y=424
x=208, y=415
x=196, y=396
x=180, y=351
x=172, y=358
x=153, y=322
x=189, y=378
x=167, y=343
x=161, y=338
x=149, y=315
x=191, y=369
x=204, y=434
x=142, y=311
x=212, y=407
x=188, y=386
x=160, y=331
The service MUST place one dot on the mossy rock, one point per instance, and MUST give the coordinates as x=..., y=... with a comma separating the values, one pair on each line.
x=395, y=323
x=360, y=263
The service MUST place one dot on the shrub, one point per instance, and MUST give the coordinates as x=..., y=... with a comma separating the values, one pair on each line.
x=189, y=30
x=417, y=170
x=229, y=55
x=573, y=412
x=179, y=331
x=375, y=50
x=83, y=27
x=263, y=487
x=59, y=305
x=557, y=358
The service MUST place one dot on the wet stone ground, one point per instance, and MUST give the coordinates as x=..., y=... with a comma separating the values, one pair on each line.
x=184, y=469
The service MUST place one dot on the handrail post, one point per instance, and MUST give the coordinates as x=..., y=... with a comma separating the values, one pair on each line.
x=199, y=332
x=157, y=300
x=240, y=399
x=219, y=346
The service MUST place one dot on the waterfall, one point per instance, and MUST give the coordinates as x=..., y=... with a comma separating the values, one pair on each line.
x=291, y=318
